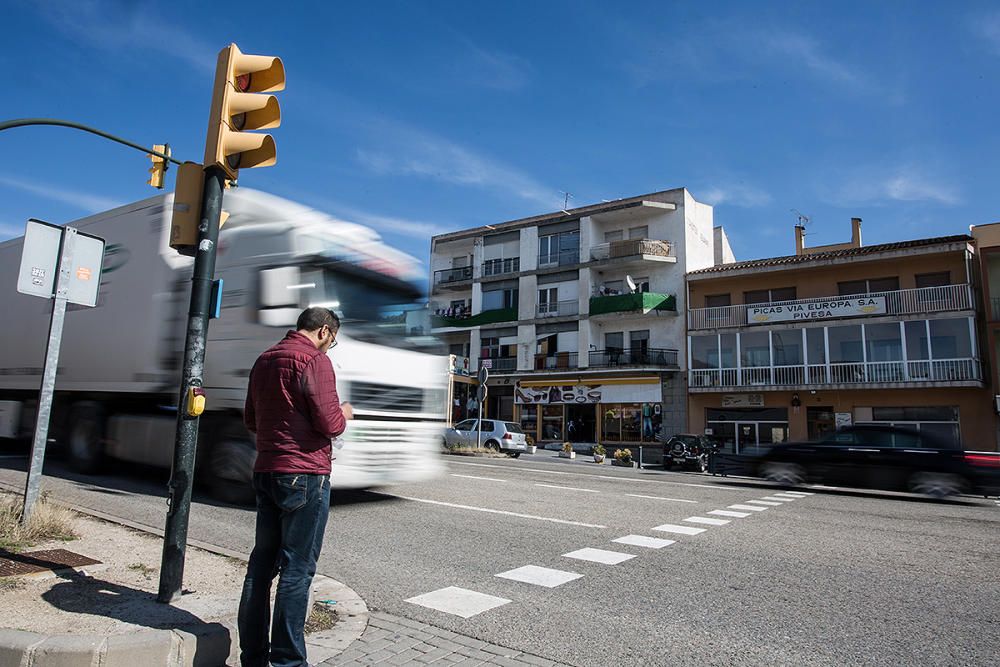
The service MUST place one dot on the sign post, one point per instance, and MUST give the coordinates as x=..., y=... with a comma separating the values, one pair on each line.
x=62, y=264
x=484, y=375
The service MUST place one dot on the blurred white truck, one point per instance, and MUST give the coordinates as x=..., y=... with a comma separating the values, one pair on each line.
x=119, y=368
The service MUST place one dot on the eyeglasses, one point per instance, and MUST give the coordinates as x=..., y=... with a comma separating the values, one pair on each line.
x=333, y=343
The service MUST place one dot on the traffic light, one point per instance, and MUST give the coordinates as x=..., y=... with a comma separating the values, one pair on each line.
x=186, y=213
x=238, y=106
x=159, y=167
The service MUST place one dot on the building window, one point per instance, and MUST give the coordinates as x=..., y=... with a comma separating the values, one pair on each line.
x=642, y=284
x=501, y=298
x=939, y=279
x=559, y=249
x=868, y=286
x=950, y=339
x=490, y=348
x=638, y=232
x=937, y=421
x=613, y=236
x=548, y=300
x=717, y=300
x=769, y=295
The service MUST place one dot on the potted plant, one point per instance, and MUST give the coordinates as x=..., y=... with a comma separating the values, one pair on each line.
x=599, y=453
x=567, y=451
x=531, y=444
x=623, y=457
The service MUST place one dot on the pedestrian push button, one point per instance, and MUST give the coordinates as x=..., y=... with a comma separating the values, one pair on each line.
x=196, y=401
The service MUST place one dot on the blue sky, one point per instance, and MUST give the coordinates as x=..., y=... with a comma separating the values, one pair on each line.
x=424, y=117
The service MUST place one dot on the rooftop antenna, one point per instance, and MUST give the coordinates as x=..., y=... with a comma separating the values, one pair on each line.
x=566, y=198
x=803, y=218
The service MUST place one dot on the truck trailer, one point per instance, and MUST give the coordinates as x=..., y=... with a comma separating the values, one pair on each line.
x=120, y=363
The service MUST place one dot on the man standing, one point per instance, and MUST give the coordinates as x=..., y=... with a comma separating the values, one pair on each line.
x=293, y=407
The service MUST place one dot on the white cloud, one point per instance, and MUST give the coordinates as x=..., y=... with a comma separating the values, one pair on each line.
x=988, y=28
x=734, y=194
x=9, y=231
x=384, y=223
x=901, y=184
x=421, y=154
x=84, y=201
x=127, y=26
x=495, y=69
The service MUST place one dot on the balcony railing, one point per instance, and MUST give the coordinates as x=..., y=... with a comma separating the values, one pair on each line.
x=639, y=302
x=485, y=317
x=445, y=277
x=501, y=363
x=872, y=372
x=648, y=357
x=898, y=302
x=632, y=248
x=561, y=258
x=557, y=361
x=558, y=308
x=500, y=267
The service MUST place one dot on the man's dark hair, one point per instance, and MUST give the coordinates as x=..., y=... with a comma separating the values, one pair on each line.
x=312, y=319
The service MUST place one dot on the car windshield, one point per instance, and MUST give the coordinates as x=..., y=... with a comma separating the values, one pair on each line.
x=687, y=439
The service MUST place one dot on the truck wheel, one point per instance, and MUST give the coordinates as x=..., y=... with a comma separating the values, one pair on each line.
x=86, y=437
x=936, y=484
x=230, y=471
x=785, y=474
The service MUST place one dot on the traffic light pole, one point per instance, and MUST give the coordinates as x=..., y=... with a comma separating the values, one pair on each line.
x=186, y=440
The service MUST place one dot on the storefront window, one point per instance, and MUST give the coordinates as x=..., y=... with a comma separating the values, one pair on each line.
x=631, y=422
x=552, y=422
x=529, y=420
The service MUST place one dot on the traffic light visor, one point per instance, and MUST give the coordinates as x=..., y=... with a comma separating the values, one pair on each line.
x=256, y=74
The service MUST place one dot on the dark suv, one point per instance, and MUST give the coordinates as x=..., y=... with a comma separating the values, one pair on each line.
x=884, y=457
x=687, y=451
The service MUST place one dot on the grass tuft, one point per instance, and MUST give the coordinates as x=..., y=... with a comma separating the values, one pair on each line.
x=48, y=522
x=322, y=617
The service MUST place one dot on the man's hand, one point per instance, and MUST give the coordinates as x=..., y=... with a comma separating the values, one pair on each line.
x=348, y=410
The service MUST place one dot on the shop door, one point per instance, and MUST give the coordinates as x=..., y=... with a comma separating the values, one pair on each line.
x=581, y=422
x=746, y=437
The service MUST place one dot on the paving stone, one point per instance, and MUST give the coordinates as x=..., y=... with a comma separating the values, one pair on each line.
x=14, y=644
x=67, y=651
x=152, y=647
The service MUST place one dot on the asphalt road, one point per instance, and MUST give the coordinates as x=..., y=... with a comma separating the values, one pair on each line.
x=837, y=577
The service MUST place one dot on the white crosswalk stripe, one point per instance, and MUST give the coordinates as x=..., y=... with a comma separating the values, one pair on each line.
x=539, y=576
x=680, y=530
x=458, y=601
x=643, y=541
x=764, y=502
x=599, y=556
x=735, y=515
x=752, y=508
x=706, y=520
x=778, y=499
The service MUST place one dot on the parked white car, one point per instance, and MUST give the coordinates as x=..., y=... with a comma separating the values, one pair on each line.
x=502, y=436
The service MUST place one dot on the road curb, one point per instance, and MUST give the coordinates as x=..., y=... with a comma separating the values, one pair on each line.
x=210, y=644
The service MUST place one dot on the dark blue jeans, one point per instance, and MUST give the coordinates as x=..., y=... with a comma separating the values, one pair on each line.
x=292, y=510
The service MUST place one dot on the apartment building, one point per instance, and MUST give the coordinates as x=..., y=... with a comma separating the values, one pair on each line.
x=577, y=314
x=793, y=347
x=988, y=252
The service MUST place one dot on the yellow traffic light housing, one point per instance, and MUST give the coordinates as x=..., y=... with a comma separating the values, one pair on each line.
x=238, y=106
x=159, y=167
x=186, y=213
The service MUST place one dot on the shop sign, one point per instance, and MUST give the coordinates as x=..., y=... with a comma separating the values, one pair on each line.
x=843, y=419
x=743, y=400
x=458, y=365
x=816, y=310
x=588, y=393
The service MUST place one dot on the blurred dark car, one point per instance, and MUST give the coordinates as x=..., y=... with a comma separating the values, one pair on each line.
x=688, y=451
x=884, y=457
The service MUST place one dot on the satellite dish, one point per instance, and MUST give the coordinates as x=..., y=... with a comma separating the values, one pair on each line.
x=630, y=283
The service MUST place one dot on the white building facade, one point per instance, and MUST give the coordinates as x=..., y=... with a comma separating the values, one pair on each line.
x=578, y=315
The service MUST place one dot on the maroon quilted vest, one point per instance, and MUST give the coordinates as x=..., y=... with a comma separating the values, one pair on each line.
x=293, y=407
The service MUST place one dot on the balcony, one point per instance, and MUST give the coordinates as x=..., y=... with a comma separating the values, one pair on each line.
x=898, y=302
x=547, y=260
x=558, y=308
x=500, y=364
x=652, y=357
x=855, y=373
x=501, y=267
x=640, y=302
x=457, y=278
x=485, y=317
x=633, y=251
x=557, y=361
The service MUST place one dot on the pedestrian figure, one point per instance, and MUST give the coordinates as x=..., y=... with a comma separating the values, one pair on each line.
x=293, y=407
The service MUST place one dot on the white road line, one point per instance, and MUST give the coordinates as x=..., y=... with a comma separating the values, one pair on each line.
x=752, y=508
x=765, y=502
x=602, y=556
x=706, y=520
x=458, y=601
x=487, y=479
x=505, y=513
x=539, y=576
x=643, y=541
x=675, y=500
x=791, y=496
x=523, y=468
x=735, y=515
x=778, y=499
x=794, y=493
x=680, y=530
x=567, y=488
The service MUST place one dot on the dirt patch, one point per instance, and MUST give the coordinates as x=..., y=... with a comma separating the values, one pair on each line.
x=119, y=596
x=472, y=451
x=322, y=617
